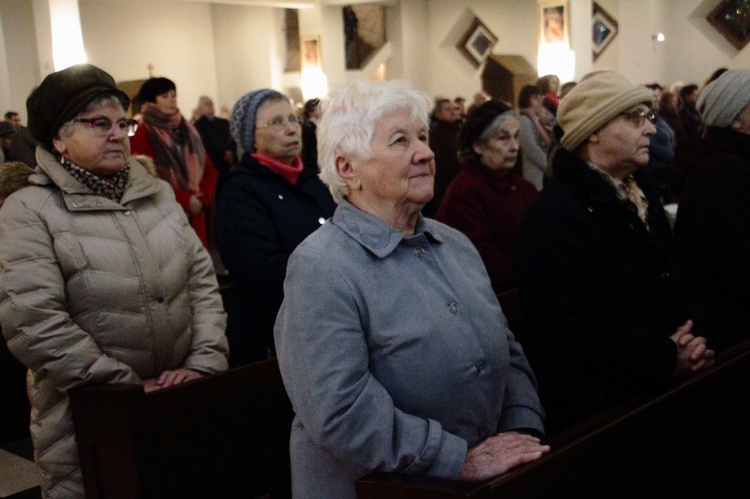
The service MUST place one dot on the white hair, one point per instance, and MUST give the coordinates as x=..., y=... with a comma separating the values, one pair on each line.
x=350, y=115
x=66, y=129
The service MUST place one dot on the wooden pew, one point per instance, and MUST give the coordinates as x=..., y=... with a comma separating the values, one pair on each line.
x=693, y=441
x=225, y=435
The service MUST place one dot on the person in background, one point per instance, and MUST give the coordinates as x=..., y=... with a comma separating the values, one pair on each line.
x=550, y=85
x=265, y=207
x=460, y=103
x=7, y=133
x=536, y=124
x=662, y=146
x=374, y=302
x=14, y=119
x=310, y=117
x=712, y=229
x=477, y=100
x=177, y=150
x=595, y=265
x=444, y=144
x=566, y=88
x=692, y=121
x=103, y=279
x=487, y=199
x=216, y=137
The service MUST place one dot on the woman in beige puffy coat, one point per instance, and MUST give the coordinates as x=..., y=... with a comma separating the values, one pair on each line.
x=102, y=279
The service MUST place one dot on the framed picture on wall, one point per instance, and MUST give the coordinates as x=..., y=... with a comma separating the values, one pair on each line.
x=731, y=18
x=310, y=48
x=603, y=30
x=477, y=42
x=553, y=23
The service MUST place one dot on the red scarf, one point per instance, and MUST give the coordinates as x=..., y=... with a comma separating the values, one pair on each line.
x=289, y=172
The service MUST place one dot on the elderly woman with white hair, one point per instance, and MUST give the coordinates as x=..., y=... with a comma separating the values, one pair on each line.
x=393, y=348
x=712, y=229
x=595, y=265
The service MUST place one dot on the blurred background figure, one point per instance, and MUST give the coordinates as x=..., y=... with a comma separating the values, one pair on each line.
x=712, y=229
x=265, y=207
x=444, y=144
x=487, y=199
x=177, y=150
x=14, y=119
x=550, y=85
x=216, y=137
x=537, y=125
x=310, y=118
x=7, y=133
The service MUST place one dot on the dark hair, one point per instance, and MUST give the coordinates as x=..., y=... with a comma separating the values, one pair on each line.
x=10, y=114
x=439, y=104
x=153, y=87
x=476, y=122
x=545, y=81
x=687, y=90
x=309, y=107
x=527, y=92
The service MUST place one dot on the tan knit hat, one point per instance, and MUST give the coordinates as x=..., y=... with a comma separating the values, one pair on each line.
x=593, y=103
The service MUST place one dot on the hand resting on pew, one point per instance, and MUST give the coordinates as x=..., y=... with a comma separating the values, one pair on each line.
x=692, y=352
x=499, y=454
x=170, y=378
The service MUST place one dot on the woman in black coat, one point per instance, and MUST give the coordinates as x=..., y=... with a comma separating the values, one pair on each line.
x=594, y=263
x=266, y=206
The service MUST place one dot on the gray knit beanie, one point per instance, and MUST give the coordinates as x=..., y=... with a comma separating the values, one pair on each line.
x=593, y=103
x=242, y=125
x=724, y=98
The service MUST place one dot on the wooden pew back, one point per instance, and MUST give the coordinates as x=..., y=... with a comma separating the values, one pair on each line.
x=225, y=435
x=690, y=442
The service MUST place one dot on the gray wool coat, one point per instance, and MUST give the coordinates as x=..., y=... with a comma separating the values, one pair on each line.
x=395, y=354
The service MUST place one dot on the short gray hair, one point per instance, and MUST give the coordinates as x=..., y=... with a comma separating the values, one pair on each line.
x=108, y=100
x=350, y=115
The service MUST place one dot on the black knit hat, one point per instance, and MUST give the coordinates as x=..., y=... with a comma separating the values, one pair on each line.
x=154, y=87
x=477, y=121
x=64, y=94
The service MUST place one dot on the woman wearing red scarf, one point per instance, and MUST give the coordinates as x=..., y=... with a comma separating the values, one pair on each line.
x=265, y=206
x=176, y=148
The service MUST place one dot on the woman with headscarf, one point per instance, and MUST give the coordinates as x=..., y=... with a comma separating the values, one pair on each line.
x=177, y=150
x=487, y=199
x=712, y=229
x=266, y=206
x=103, y=279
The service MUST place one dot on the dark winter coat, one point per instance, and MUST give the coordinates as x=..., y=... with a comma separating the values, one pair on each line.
x=602, y=294
x=712, y=231
x=260, y=220
x=488, y=209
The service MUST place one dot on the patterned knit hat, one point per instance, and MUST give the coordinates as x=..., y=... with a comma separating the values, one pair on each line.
x=724, y=98
x=242, y=125
x=595, y=102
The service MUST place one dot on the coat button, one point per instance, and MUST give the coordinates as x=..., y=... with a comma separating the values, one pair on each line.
x=321, y=220
x=128, y=213
x=281, y=196
x=665, y=275
x=160, y=299
x=75, y=205
x=480, y=366
x=419, y=251
x=591, y=210
x=453, y=308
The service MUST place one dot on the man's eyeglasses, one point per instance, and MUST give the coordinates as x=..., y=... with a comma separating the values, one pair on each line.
x=280, y=122
x=637, y=118
x=103, y=126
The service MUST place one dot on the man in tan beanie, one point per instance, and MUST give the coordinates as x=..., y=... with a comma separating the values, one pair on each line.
x=712, y=230
x=594, y=265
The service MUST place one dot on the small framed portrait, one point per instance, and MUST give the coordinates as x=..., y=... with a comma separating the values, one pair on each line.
x=476, y=43
x=603, y=30
x=553, y=18
x=310, y=48
x=730, y=18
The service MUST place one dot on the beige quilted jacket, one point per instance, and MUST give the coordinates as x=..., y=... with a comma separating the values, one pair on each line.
x=94, y=291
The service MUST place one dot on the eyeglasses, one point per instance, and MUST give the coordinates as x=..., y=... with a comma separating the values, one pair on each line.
x=280, y=122
x=637, y=118
x=103, y=126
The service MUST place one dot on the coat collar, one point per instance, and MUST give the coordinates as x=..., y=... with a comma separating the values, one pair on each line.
x=377, y=236
x=78, y=198
x=502, y=183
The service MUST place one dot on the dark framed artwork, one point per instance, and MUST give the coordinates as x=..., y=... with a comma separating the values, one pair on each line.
x=731, y=18
x=476, y=43
x=603, y=30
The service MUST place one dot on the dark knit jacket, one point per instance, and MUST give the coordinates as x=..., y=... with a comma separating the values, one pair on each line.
x=602, y=294
x=487, y=208
x=712, y=231
x=260, y=220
